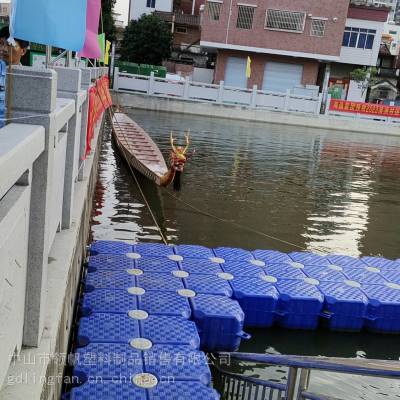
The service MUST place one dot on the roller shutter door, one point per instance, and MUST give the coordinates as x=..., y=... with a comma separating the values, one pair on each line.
x=235, y=72
x=278, y=77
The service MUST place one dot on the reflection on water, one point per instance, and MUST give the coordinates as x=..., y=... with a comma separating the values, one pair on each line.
x=320, y=190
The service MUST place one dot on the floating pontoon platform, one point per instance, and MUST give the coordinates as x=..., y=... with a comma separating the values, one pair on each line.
x=150, y=310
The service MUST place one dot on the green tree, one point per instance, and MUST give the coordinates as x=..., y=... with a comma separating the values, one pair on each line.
x=365, y=77
x=107, y=20
x=146, y=41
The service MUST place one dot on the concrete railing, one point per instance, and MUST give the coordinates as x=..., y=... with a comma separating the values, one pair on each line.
x=217, y=94
x=40, y=164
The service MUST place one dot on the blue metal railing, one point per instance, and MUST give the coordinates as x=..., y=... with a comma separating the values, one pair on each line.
x=234, y=386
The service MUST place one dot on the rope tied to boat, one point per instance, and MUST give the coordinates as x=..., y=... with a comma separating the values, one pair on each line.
x=227, y=221
x=163, y=238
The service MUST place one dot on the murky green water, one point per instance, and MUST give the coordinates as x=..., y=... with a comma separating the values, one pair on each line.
x=317, y=190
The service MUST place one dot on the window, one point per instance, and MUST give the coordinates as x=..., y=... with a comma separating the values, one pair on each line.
x=245, y=17
x=151, y=3
x=318, y=27
x=359, y=38
x=392, y=33
x=285, y=20
x=181, y=29
x=214, y=10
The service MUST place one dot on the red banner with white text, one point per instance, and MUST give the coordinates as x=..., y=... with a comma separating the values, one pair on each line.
x=99, y=101
x=364, y=108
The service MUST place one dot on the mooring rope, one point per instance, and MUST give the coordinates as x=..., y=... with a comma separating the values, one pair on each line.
x=164, y=239
x=238, y=225
x=25, y=117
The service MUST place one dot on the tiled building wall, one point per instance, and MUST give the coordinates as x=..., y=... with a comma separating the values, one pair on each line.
x=192, y=35
x=335, y=13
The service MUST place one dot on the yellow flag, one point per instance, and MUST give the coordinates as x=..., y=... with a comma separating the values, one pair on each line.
x=107, y=53
x=248, y=68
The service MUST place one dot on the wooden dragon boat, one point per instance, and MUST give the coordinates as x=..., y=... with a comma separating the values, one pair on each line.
x=144, y=155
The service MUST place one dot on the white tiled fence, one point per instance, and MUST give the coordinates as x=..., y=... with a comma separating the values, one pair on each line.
x=218, y=94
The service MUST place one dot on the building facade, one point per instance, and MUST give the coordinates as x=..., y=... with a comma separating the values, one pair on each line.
x=293, y=46
x=361, y=45
x=4, y=13
x=139, y=7
x=288, y=42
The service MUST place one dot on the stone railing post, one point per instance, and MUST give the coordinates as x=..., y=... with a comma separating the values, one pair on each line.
x=253, y=101
x=34, y=93
x=318, y=104
x=115, y=78
x=69, y=86
x=220, y=92
x=327, y=105
x=287, y=100
x=186, y=89
x=86, y=84
x=150, y=90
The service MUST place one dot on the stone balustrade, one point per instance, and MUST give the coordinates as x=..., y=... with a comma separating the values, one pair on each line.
x=45, y=199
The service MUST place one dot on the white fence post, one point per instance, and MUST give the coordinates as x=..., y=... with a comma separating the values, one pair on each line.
x=287, y=100
x=116, y=76
x=69, y=82
x=253, y=101
x=328, y=103
x=220, y=92
x=40, y=95
x=151, y=84
x=319, y=104
x=85, y=84
x=186, y=89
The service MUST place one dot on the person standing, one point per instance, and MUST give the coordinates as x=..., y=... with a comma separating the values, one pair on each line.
x=9, y=55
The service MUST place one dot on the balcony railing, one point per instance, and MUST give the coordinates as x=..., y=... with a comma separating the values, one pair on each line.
x=179, y=18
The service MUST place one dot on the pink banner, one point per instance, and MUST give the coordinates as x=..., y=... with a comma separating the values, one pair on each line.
x=91, y=49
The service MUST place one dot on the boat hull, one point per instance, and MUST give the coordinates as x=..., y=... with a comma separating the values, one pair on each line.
x=138, y=148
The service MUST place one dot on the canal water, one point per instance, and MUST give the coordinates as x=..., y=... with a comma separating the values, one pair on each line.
x=292, y=188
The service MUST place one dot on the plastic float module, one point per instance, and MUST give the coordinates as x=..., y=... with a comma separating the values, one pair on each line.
x=122, y=328
x=219, y=321
x=258, y=298
x=131, y=391
x=135, y=298
x=345, y=305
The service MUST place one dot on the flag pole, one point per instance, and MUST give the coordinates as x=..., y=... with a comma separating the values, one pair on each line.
x=69, y=58
x=112, y=63
x=48, y=56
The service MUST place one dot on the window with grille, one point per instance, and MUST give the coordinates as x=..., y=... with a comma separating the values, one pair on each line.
x=359, y=38
x=245, y=17
x=285, y=20
x=318, y=27
x=214, y=10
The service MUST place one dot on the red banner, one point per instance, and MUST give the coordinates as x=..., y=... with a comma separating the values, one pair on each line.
x=364, y=108
x=99, y=101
